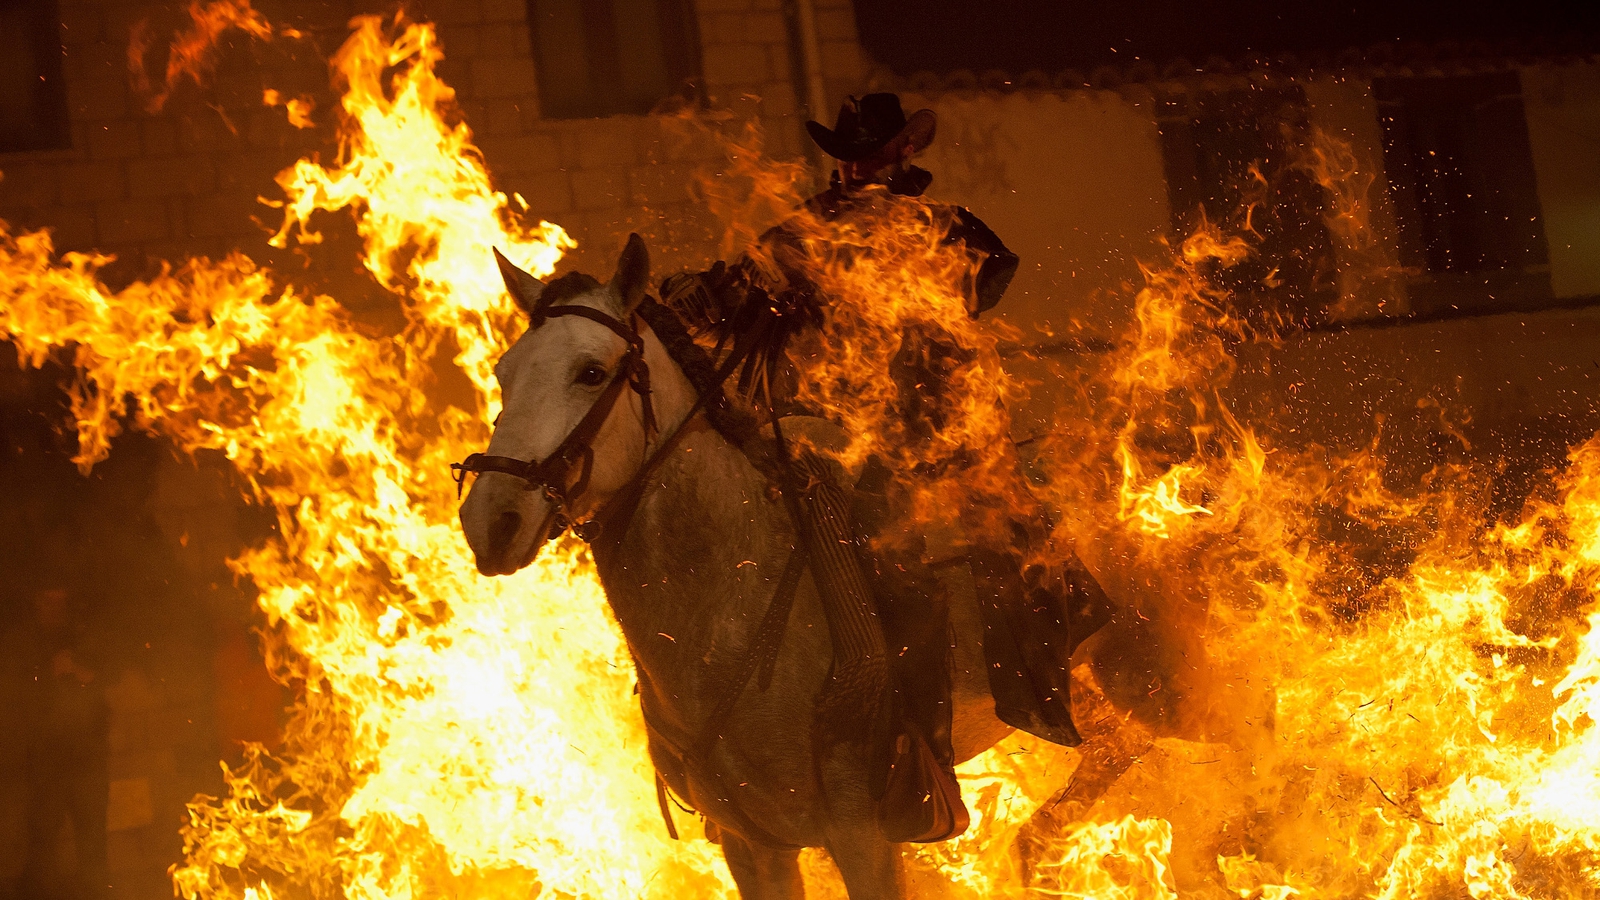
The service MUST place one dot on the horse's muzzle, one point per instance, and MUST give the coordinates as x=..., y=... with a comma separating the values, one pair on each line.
x=499, y=557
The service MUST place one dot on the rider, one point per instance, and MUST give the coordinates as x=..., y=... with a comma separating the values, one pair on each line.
x=874, y=142
x=1034, y=615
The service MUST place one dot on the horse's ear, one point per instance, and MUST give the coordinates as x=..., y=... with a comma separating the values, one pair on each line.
x=633, y=273
x=525, y=289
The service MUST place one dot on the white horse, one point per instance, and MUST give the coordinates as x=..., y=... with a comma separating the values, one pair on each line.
x=690, y=578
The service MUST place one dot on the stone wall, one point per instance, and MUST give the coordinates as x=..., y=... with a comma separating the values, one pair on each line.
x=165, y=628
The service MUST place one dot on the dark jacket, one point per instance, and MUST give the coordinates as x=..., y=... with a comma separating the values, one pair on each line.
x=734, y=303
x=966, y=231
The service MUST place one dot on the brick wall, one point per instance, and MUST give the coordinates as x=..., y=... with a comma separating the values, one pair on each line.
x=151, y=187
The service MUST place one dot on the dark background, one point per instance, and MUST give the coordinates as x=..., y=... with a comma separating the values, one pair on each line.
x=1017, y=35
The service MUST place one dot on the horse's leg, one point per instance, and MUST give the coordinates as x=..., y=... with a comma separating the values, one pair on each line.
x=1110, y=746
x=761, y=872
x=869, y=865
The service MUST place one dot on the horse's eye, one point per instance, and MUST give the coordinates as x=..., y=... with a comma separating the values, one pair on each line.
x=592, y=376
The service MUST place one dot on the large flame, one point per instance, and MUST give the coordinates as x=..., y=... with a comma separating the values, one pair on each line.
x=1425, y=728
x=453, y=734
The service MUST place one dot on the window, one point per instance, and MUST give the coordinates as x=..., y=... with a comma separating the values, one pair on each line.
x=33, y=99
x=1228, y=156
x=611, y=57
x=1460, y=173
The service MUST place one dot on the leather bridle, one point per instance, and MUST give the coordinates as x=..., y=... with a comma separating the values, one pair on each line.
x=612, y=521
x=554, y=472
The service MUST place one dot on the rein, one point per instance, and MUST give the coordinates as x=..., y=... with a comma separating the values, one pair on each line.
x=605, y=530
x=577, y=448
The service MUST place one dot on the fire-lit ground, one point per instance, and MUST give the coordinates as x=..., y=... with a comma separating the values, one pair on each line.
x=1379, y=691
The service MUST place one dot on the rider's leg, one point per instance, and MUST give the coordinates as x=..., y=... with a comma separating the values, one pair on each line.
x=1038, y=601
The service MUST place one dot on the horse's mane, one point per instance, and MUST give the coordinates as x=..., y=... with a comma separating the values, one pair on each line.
x=572, y=284
x=736, y=423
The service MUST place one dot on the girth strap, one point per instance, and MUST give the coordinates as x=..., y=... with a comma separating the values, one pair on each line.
x=763, y=652
x=761, y=657
x=666, y=810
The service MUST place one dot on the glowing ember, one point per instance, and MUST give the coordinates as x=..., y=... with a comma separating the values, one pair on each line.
x=1434, y=733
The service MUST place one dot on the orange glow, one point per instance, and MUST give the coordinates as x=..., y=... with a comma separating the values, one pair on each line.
x=896, y=311
x=192, y=54
x=298, y=109
x=1429, y=732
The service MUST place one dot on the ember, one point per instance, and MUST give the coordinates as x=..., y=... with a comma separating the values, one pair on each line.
x=1431, y=729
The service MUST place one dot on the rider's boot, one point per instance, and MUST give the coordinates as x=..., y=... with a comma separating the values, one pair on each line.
x=1038, y=602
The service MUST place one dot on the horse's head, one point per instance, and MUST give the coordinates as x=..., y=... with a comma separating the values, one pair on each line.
x=575, y=410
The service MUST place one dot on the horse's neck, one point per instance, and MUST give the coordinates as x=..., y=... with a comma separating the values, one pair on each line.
x=690, y=578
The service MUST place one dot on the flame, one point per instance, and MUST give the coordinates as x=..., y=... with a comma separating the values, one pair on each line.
x=297, y=109
x=1431, y=729
x=192, y=53
x=898, y=363
x=1370, y=270
x=452, y=734
x=895, y=306
x=1155, y=507
x=1425, y=725
x=1120, y=860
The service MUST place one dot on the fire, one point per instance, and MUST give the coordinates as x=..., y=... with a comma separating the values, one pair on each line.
x=444, y=739
x=1441, y=733
x=1154, y=507
x=297, y=109
x=895, y=309
x=897, y=361
x=1121, y=860
x=1428, y=726
x=192, y=53
x=1369, y=282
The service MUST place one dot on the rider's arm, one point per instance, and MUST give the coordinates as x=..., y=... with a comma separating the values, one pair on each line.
x=999, y=264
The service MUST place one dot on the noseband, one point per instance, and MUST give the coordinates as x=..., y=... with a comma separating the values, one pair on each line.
x=577, y=449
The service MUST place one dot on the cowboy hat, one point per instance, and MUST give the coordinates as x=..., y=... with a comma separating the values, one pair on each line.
x=866, y=126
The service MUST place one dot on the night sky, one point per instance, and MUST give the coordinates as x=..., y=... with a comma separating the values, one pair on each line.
x=1018, y=35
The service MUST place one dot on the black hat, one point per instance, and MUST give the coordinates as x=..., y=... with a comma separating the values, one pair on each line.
x=868, y=125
